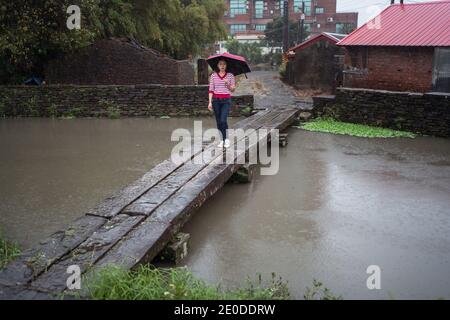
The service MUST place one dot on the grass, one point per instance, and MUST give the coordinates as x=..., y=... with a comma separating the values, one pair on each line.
x=8, y=251
x=319, y=292
x=148, y=283
x=357, y=130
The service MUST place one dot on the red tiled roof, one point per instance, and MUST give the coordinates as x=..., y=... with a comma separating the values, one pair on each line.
x=415, y=24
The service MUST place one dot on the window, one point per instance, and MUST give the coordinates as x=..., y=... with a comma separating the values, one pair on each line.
x=238, y=7
x=308, y=7
x=282, y=7
x=260, y=27
x=298, y=5
x=237, y=28
x=320, y=10
x=307, y=27
x=441, y=70
x=344, y=28
x=259, y=8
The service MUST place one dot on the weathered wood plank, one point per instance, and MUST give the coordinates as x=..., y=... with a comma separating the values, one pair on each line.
x=146, y=240
x=24, y=293
x=114, y=204
x=87, y=253
x=36, y=260
x=150, y=200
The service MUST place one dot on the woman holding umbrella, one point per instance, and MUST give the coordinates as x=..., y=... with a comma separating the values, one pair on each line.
x=221, y=84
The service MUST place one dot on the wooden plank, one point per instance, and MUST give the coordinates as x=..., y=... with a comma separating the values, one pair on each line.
x=24, y=293
x=87, y=253
x=146, y=240
x=114, y=204
x=36, y=260
x=151, y=199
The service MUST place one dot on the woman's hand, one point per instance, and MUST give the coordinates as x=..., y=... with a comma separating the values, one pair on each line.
x=227, y=84
x=210, y=107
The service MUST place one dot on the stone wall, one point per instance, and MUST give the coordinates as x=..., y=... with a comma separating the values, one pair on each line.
x=427, y=113
x=118, y=61
x=111, y=101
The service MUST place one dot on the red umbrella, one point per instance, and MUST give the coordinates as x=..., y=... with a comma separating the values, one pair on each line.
x=235, y=64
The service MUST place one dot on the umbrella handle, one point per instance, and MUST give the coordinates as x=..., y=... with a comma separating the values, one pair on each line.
x=245, y=76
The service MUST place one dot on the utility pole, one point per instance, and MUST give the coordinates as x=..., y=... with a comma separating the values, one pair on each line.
x=286, y=26
x=301, y=23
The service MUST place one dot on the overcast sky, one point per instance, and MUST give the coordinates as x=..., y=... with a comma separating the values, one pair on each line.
x=368, y=8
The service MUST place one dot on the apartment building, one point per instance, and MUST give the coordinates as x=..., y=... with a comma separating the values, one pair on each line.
x=247, y=19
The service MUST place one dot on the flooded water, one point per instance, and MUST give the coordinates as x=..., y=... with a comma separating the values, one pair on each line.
x=338, y=204
x=52, y=170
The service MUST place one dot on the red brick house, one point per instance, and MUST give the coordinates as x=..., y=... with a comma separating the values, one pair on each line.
x=405, y=48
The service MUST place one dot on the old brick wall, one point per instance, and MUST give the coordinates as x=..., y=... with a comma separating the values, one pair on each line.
x=426, y=113
x=390, y=68
x=107, y=100
x=118, y=61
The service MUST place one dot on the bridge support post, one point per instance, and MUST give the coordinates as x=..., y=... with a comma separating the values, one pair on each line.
x=283, y=139
x=176, y=250
x=244, y=174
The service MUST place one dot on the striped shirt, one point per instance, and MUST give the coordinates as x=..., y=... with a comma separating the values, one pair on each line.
x=217, y=85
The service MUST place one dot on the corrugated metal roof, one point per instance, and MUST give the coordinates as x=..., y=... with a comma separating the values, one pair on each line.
x=331, y=37
x=415, y=24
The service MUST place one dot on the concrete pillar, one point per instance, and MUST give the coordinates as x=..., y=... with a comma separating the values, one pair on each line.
x=175, y=250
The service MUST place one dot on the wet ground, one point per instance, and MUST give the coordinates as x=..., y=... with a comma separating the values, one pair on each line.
x=267, y=89
x=338, y=205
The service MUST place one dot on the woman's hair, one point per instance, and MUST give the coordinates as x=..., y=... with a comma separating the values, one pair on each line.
x=217, y=66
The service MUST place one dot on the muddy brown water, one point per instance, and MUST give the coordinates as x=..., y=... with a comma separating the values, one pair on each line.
x=337, y=205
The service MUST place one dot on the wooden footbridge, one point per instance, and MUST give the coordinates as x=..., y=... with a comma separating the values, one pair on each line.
x=132, y=226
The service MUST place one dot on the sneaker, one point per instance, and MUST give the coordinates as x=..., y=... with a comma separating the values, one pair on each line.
x=220, y=145
x=227, y=143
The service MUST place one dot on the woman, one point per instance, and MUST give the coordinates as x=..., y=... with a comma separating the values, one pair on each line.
x=221, y=85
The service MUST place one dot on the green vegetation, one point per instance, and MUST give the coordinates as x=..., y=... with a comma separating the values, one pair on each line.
x=274, y=33
x=246, y=111
x=282, y=70
x=33, y=32
x=319, y=292
x=358, y=130
x=113, y=112
x=149, y=283
x=8, y=251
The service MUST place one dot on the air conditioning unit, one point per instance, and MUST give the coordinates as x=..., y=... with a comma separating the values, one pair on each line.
x=330, y=19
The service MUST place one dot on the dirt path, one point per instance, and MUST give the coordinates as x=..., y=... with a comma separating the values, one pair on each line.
x=268, y=89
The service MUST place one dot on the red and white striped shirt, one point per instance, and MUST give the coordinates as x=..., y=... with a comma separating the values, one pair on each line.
x=217, y=85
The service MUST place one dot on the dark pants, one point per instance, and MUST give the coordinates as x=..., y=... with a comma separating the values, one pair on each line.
x=222, y=108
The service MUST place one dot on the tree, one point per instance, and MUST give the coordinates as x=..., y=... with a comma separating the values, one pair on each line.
x=251, y=51
x=274, y=33
x=347, y=28
x=32, y=32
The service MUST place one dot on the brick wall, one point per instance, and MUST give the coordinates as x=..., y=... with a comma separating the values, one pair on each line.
x=118, y=61
x=105, y=100
x=390, y=68
x=426, y=113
